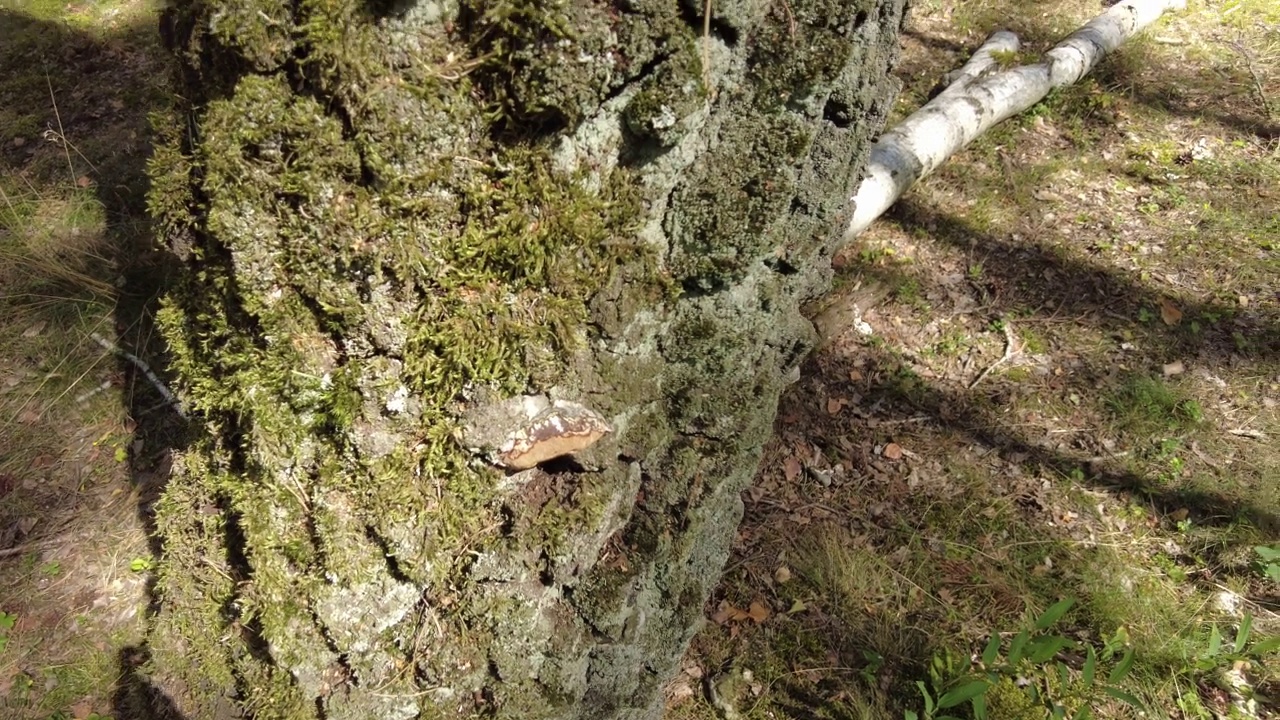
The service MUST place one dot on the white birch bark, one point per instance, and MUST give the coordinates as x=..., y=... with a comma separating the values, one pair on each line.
x=982, y=96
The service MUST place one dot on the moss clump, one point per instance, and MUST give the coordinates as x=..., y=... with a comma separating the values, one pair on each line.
x=735, y=201
x=668, y=96
x=601, y=598
x=256, y=30
x=792, y=61
x=546, y=61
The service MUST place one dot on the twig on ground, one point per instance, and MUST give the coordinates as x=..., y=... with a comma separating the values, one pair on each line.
x=1109, y=456
x=84, y=396
x=968, y=108
x=144, y=368
x=1195, y=448
x=1253, y=73
x=1009, y=342
x=1251, y=434
x=18, y=550
x=900, y=421
x=30, y=546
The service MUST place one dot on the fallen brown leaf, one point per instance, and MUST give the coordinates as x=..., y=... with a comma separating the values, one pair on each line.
x=82, y=709
x=835, y=405
x=791, y=468
x=893, y=451
x=721, y=615
x=678, y=692
x=758, y=612
x=1174, y=368
x=1169, y=312
x=782, y=575
x=84, y=181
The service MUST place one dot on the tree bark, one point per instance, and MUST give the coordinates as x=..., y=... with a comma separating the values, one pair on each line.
x=420, y=234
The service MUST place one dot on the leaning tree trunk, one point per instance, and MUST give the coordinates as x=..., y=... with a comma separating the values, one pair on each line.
x=430, y=248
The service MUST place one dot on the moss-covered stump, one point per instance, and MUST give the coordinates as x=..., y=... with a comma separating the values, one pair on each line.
x=409, y=226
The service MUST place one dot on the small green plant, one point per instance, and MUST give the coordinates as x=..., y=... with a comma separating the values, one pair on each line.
x=140, y=564
x=1031, y=663
x=1149, y=405
x=51, y=569
x=951, y=344
x=1269, y=561
x=7, y=621
x=908, y=291
x=1219, y=655
x=1006, y=58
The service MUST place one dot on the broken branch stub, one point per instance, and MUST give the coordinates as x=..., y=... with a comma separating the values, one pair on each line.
x=981, y=97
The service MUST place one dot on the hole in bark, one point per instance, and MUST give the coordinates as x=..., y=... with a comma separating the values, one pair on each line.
x=780, y=266
x=698, y=286
x=860, y=19
x=637, y=152
x=508, y=526
x=389, y=8
x=234, y=539
x=837, y=113
x=562, y=465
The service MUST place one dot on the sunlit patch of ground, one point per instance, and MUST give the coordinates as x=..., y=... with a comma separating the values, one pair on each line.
x=1051, y=372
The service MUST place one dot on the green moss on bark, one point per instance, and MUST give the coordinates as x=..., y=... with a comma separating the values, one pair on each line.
x=378, y=239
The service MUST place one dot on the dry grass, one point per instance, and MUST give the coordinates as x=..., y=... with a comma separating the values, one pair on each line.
x=73, y=461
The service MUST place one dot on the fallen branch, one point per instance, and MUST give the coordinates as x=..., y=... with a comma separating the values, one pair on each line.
x=1009, y=342
x=144, y=368
x=981, y=96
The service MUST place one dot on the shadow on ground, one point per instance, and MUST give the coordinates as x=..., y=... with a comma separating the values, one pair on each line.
x=912, y=506
x=79, y=110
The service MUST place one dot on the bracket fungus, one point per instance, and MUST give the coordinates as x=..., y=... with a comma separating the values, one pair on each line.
x=560, y=430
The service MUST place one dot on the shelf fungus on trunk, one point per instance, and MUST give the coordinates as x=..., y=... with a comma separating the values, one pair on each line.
x=561, y=429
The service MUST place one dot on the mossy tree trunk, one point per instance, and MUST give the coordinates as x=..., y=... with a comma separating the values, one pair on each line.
x=409, y=225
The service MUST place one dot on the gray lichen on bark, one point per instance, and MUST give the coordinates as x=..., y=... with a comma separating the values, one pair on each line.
x=395, y=212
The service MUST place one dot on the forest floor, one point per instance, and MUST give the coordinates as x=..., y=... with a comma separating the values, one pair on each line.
x=1051, y=373
x=79, y=451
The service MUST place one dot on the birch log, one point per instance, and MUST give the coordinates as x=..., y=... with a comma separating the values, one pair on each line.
x=981, y=96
